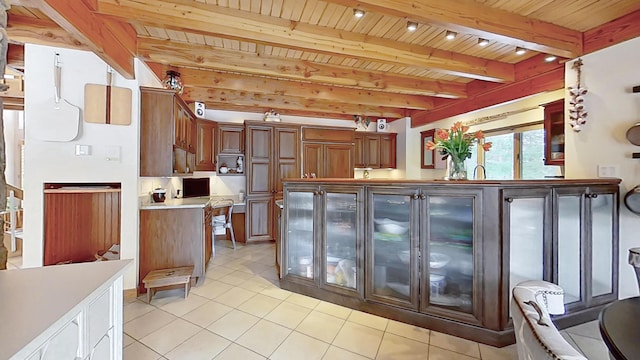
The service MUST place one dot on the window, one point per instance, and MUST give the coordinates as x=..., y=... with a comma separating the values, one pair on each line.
x=517, y=153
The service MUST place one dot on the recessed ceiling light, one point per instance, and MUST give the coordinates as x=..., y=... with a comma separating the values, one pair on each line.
x=451, y=35
x=483, y=42
x=358, y=13
x=412, y=26
x=550, y=58
x=520, y=50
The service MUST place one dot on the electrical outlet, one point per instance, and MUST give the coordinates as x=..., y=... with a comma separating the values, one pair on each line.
x=608, y=171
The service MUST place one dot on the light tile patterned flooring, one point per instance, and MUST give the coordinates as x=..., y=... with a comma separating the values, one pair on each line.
x=241, y=313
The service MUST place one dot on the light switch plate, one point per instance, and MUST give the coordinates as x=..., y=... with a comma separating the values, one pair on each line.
x=608, y=171
x=83, y=150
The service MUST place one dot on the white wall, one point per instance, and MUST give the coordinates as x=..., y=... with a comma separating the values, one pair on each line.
x=609, y=75
x=47, y=161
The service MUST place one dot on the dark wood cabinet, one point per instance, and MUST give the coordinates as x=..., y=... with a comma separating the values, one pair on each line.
x=272, y=154
x=230, y=138
x=174, y=237
x=167, y=134
x=554, y=133
x=205, y=147
x=328, y=152
x=375, y=150
x=447, y=256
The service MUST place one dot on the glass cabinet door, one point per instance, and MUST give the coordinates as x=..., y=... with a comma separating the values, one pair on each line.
x=299, y=227
x=451, y=232
x=604, y=277
x=569, y=245
x=342, y=225
x=392, y=256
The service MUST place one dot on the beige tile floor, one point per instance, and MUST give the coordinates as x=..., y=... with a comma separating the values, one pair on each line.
x=241, y=313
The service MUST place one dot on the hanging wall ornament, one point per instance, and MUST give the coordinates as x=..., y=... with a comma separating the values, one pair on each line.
x=577, y=111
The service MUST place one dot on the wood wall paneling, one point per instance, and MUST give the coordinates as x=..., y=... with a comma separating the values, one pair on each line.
x=78, y=225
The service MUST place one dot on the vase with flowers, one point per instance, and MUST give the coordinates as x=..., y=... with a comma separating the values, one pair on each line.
x=456, y=144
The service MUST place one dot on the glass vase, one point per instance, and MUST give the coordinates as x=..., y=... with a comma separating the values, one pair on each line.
x=456, y=168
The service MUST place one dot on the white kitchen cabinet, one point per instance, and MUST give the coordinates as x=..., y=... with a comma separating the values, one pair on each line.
x=74, y=312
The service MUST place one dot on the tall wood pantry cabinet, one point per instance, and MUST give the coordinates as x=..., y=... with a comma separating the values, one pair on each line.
x=272, y=154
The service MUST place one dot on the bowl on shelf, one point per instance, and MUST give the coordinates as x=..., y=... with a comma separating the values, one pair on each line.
x=388, y=226
x=405, y=256
x=437, y=260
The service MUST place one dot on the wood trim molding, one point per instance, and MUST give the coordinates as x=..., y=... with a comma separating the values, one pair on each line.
x=552, y=80
x=611, y=33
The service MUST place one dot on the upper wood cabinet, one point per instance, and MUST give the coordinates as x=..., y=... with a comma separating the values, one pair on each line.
x=167, y=134
x=375, y=150
x=230, y=138
x=328, y=152
x=205, y=147
x=554, y=133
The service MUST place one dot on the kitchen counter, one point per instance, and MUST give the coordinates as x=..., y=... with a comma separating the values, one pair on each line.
x=38, y=302
x=195, y=202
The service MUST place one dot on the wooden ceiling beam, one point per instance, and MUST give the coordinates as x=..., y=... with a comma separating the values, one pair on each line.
x=194, y=55
x=15, y=56
x=24, y=29
x=611, y=33
x=265, y=85
x=226, y=22
x=534, y=76
x=286, y=103
x=77, y=19
x=290, y=112
x=471, y=17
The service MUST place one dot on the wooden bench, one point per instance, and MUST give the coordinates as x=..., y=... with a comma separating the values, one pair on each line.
x=167, y=277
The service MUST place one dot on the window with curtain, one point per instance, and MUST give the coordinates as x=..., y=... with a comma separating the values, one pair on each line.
x=517, y=153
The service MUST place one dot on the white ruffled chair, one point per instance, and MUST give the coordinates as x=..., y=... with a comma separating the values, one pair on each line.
x=537, y=337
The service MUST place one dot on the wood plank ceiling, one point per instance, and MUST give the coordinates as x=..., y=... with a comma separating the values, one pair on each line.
x=315, y=58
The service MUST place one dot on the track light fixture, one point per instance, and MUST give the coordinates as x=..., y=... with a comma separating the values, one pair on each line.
x=450, y=35
x=358, y=13
x=520, y=50
x=483, y=42
x=412, y=26
x=550, y=58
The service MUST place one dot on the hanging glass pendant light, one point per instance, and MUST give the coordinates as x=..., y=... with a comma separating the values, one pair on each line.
x=173, y=81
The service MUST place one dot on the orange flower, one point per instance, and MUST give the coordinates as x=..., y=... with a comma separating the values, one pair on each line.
x=479, y=135
x=430, y=145
x=442, y=134
x=486, y=146
x=457, y=126
x=465, y=129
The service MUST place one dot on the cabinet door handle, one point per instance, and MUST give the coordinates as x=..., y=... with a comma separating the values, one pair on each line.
x=592, y=196
x=321, y=192
x=415, y=196
x=423, y=196
x=508, y=199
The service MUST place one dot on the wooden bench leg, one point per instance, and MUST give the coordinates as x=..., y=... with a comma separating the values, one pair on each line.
x=186, y=289
x=149, y=296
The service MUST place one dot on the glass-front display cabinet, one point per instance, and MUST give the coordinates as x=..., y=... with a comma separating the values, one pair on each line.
x=393, y=250
x=452, y=235
x=323, y=225
x=299, y=226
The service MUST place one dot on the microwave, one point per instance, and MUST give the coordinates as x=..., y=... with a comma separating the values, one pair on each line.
x=195, y=187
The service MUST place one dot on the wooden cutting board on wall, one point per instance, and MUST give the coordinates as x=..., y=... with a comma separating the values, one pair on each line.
x=104, y=104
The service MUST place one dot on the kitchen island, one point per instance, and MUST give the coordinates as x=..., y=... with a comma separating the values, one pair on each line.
x=445, y=255
x=177, y=233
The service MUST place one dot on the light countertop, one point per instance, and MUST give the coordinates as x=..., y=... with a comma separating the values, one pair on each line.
x=195, y=202
x=34, y=299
